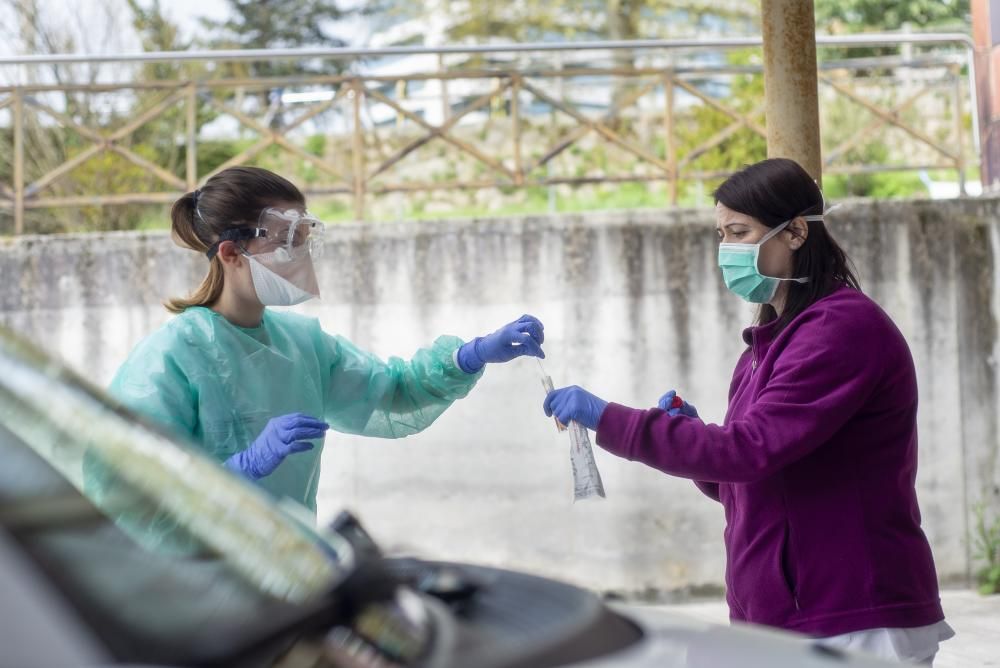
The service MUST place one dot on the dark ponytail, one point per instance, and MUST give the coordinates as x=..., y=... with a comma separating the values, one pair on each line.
x=232, y=198
x=773, y=191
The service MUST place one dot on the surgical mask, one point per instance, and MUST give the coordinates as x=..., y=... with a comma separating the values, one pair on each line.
x=283, y=278
x=740, y=268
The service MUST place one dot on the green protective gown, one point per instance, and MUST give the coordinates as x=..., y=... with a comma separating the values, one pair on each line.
x=217, y=385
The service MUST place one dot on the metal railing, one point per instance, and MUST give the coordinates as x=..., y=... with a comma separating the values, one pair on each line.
x=654, y=91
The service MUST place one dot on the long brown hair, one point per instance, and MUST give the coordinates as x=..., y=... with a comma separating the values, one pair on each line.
x=774, y=191
x=232, y=198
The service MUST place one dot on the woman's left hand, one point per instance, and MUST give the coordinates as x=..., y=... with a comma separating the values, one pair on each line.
x=575, y=403
x=524, y=336
x=674, y=405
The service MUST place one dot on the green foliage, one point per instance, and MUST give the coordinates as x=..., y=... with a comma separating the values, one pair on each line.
x=743, y=148
x=111, y=174
x=270, y=23
x=898, y=185
x=880, y=185
x=842, y=119
x=331, y=210
x=211, y=154
x=986, y=546
x=158, y=33
x=873, y=15
x=316, y=144
x=850, y=16
x=526, y=201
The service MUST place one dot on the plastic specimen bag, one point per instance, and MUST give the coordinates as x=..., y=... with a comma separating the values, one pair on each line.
x=586, y=478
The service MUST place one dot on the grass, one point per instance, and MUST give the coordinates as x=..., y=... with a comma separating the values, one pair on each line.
x=533, y=201
x=536, y=200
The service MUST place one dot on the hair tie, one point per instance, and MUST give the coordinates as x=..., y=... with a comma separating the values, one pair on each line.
x=196, y=195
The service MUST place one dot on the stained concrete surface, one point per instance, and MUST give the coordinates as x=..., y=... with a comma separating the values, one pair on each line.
x=633, y=306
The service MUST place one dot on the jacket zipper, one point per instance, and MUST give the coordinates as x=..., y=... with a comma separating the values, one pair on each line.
x=753, y=351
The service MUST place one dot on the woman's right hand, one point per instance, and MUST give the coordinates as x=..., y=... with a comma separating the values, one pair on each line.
x=282, y=436
x=575, y=404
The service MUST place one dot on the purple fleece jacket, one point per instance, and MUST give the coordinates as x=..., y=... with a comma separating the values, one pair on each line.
x=815, y=467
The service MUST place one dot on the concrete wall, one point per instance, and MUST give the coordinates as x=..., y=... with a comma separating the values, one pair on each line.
x=633, y=306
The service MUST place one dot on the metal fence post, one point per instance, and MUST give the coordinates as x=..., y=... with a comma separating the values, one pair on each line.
x=192, y=137
x=670, y=138
x=359, y=150
x=959, y=130
x=515, y=115
x=18, y=112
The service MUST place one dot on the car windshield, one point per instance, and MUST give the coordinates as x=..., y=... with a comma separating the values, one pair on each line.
x=173, y=547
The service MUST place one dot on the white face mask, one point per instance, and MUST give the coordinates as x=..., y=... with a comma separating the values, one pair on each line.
x=281, y=278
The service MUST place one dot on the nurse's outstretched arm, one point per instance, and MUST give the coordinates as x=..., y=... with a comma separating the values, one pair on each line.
x=364, y=395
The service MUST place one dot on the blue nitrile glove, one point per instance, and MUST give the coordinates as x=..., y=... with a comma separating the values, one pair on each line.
x=575, y=403
x=281, y=437
x=674, y=405
x=524, y=336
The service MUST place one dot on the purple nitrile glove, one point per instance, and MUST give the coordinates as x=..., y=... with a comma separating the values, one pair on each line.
x=282, y=436
x=674, y=405
x=575, y=403
x=524, y=336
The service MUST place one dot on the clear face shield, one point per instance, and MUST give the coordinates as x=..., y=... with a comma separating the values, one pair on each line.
x=281, y=248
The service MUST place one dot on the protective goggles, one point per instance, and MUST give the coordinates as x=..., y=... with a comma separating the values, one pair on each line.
x=285, y=233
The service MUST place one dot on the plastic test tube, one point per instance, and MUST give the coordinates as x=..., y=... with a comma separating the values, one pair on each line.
x=547, y=384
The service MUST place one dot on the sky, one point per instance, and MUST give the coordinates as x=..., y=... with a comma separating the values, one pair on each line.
x=186, y=12
x=89, y=22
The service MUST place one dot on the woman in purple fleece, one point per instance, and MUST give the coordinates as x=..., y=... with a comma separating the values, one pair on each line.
x=816, y=460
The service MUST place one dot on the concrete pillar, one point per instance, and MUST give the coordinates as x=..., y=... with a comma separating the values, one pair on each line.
x=792, y=106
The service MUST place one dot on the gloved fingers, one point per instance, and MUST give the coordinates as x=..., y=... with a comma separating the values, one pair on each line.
x=311, y=422
x=566, y=412
x=529, y=346
x=315, y=423
x=563, y=404
x=287, y=428
x=533, y=327
x=533, y=331
x=666, y=400
x=549, y=398
x=557, y=398
x=300, y=446
x=530, y=318
x=303, y=434
x=689, y=410
x=293, y=420
x=295, y=417
x=673, y=412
